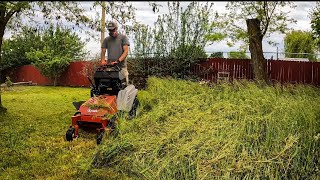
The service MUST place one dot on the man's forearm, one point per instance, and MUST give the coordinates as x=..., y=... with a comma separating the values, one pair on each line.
x=103, y=56
x=123, y=56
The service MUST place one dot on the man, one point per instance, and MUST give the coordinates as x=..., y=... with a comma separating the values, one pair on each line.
x=118, y=48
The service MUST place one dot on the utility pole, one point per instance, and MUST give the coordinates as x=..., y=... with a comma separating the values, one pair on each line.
x=103, y=21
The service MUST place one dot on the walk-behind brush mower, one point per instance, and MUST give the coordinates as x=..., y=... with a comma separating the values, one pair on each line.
x=110, y=96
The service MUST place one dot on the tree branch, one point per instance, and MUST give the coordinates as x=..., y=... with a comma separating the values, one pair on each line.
x=268, y=18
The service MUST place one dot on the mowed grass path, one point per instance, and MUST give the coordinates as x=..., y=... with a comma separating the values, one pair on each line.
x=32, y=134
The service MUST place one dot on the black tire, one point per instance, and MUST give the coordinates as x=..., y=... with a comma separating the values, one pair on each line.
x=70, y=134
x=112, y=122
x=99, y=137
x=133, y=111
x=91, y=93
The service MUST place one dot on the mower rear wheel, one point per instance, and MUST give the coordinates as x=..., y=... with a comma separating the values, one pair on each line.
x=133, y=111
x=99, y=137
x=70, y=134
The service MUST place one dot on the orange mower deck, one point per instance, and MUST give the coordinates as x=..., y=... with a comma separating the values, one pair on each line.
x=93, y=113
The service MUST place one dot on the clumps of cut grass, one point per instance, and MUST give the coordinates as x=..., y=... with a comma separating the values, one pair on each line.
x=234, y=131
x=97, y=102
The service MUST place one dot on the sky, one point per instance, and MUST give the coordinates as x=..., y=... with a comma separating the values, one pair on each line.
x=145, y=15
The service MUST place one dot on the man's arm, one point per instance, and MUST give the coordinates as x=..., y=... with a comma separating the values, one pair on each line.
x=125, y=53
x=103, y=55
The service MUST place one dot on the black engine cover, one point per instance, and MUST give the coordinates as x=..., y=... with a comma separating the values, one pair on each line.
x=109, y=80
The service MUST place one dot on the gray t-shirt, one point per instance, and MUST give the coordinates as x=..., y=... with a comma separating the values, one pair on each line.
x=115, y=48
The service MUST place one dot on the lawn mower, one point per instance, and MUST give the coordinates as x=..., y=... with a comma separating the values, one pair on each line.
x=109, y=96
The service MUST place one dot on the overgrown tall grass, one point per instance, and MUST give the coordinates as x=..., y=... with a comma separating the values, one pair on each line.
x=184, y=131
x=240, y=131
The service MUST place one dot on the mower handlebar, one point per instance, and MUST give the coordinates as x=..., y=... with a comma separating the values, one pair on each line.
x=109, y=67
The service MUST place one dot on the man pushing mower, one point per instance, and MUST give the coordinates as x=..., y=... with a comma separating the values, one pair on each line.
x=110, y=92
x=118, y=48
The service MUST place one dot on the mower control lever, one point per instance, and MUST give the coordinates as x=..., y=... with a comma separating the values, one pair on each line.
x=94, y=87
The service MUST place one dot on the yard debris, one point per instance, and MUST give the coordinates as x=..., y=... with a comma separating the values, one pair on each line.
x=24, y=83
x=29, y=83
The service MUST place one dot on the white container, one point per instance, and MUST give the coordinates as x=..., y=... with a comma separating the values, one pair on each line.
x=126, y=97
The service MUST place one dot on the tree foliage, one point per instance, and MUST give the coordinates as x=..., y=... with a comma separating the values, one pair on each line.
x=177, y=27
x=121, y=11
x=59, y=47
x=180, y=34
x=315, y=23
x=45, y=12
x=300, y=42
x=262, y=19
x=63, y=13
x=271, y=14
x=216, y=55
x=238, y=55
x=14, y=49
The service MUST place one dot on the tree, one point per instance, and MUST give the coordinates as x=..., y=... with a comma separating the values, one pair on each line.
x=13, y=12
x=180, y=34
x=262, y=19
x=177, y=27
x=238, y=55
x=14, y=49
x=216, y=55
x=315, y=24
x=60, y=47
x=184, y=56
x=300, y=42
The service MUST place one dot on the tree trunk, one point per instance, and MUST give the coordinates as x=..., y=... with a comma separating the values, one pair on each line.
x=255, y=47
x=55, y=81
x=2, y=109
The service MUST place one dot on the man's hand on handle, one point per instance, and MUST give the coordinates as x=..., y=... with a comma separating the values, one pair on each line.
x=114, y=63
x=103, y=62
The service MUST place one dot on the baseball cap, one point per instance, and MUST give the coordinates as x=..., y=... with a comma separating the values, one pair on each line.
x=112, y=25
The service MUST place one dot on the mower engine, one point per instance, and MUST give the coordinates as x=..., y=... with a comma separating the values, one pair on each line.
x=108, y=80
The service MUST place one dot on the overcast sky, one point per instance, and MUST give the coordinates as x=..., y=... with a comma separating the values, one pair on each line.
x=145, y=15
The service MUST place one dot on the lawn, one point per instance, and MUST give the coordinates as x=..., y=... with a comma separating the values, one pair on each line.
x=32, y=134
x=184, y=130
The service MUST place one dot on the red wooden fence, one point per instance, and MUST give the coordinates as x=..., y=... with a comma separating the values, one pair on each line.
x=295, y=72
x=27, y=73
x=238, y=68
x=279, y=71
x=73, y=76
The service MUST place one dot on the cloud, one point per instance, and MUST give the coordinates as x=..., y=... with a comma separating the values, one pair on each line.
x=145, y=15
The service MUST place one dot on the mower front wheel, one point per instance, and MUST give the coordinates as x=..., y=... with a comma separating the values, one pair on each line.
x=70, y=134
x=99, y=137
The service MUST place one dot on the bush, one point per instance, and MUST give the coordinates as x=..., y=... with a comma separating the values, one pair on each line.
x=8, y=82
